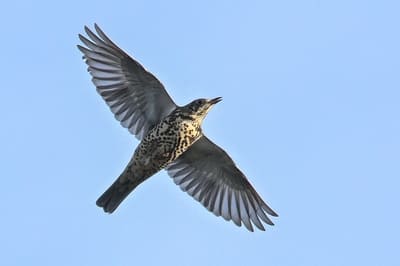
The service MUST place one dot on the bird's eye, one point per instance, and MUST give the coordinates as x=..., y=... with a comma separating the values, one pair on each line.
x=196, y=105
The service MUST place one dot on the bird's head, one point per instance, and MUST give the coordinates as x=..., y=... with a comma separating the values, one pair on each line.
x=199, y=108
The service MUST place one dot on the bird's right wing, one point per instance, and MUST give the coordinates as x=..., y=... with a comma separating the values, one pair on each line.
x=137, y=99
x=207, y=173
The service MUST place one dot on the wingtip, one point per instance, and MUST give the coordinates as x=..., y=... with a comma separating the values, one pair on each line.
x=87, y=30
x=82, y=38
x=261, y=229
x=273, y=213
x=268, y=210
x=259, y=225
x=97, y=28
x=82, y=49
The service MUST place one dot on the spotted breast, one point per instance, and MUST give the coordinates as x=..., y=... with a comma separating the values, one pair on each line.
x=163, y=144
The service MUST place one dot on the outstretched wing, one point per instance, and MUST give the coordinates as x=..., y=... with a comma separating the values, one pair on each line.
x=207, y=173
x=137, y=99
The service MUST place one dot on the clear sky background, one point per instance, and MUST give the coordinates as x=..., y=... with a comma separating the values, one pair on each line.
x=310, y=113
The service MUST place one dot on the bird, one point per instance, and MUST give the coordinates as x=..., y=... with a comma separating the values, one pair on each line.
x=171, y=138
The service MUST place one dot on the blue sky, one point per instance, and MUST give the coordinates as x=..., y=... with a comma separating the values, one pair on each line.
x=310, y=113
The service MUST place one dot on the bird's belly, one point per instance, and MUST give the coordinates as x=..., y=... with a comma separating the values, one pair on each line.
x=152, y=156
x=163, y=144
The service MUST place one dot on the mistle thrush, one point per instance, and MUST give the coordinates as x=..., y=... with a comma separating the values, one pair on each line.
x=170, y=137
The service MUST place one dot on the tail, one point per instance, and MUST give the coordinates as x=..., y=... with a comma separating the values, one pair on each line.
x=118, y=191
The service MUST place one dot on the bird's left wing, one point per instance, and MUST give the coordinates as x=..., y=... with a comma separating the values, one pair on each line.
x=137, y=99
x=207, y=173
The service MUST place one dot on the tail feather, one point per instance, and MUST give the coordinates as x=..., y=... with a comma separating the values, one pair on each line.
x=117, y=192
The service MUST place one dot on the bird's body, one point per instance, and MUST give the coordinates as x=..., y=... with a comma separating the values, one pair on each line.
x=161, y=146
x=171, y=138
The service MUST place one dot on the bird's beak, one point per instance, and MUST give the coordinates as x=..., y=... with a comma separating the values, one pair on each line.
x=215, y=100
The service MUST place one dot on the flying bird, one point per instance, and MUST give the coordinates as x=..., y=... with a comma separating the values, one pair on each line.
x=170, y=137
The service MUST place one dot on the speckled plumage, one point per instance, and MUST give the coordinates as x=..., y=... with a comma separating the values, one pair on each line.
x=171, y=138
x=164, y=143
